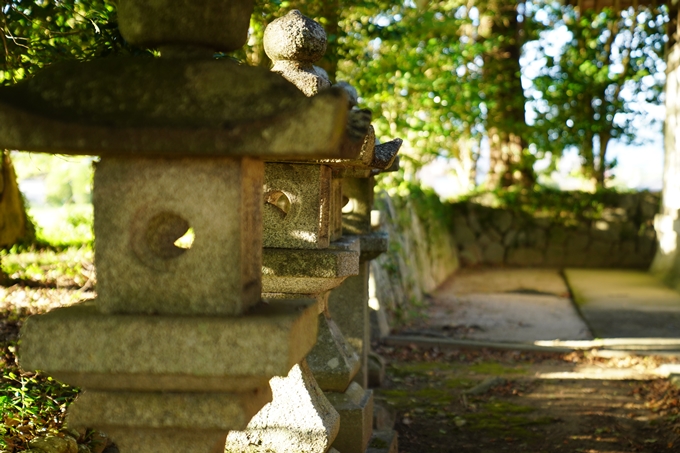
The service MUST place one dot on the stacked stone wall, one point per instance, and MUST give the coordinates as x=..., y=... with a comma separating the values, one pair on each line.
x=430, y=240
x=621, y=236
x=422, y=252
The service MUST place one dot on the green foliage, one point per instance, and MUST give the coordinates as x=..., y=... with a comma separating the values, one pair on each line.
x=596, y=87
x=31, y=405
x=69, y=266
x=567, y=207
x=34, y=34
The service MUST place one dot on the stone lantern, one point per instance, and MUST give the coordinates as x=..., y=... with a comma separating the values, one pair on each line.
x=306, y=254
x=179, y=346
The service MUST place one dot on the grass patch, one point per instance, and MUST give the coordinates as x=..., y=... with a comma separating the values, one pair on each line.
x=495, y=369
x=504, y=419
x=64, y=226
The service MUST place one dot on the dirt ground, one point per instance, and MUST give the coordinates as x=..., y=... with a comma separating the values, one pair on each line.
x=436, y=411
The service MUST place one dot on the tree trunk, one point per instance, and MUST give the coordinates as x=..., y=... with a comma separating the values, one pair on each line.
x=601, y=166
x=13, y=219
x=506, y=124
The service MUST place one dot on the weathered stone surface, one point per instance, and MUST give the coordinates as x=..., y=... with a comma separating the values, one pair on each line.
x=332, y=360
x=470, y=254
x=383, y=442
x=577, y=241
x=121, y=106
x=352, y=93
x=605, y=231
x=554, y=255
x=385, y=154
x=299, y=419
x=130, y=439
x=142, y=206
x=309, y=271
x=501, y=220
x=336, y=207
x=557, y=235
x=84, y=347
x=524, y=256
x=295, y=37
x=215, y=24
x=376, y=370
x=373, y=244
x=348, y=305
x=356, y=217
x=494, y=253
x=297, y=206
x=166, y=410
x=510, y=238
x=599, y=253
x=464, y=235
x=294, y=42
x=355, y=407
x=54, y=444
x=536, y=237
x=384, y=418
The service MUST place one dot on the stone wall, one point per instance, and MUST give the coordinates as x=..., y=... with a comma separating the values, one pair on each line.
x=621, y=236
x=422, y=253
x=429, y=240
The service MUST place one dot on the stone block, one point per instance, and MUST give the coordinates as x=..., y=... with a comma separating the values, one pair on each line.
x=501, y=220
x=355, y=407
x=83, y=347
x=365, y=145
x=554, y=255
x=301, y=271
x=470, y=254
x=358, y=195
x=373, y=244
x=599, y=253
x=510, y=238
x=536, y=238
x=605, y=231
x=142, y=206
x=493, y=234
x=166, y=410
x=133, y=440
x=494, y=253
x=336, y=208
x=525, y=256
x=214, y=24
x=120, y=107
x=385, y=441
x=575, y=258
x=473, y=221
x=299, y=419
x=557, y=235
x=297, y=206
x=463, y=234
x=53, y=444
x=333, y=361
x=384, y=418
x=376, y=369
x=348, y=306
x=577, y=241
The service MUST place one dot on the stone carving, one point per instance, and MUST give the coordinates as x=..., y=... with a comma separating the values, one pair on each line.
x=294, y=43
